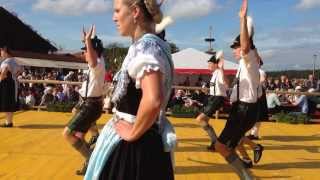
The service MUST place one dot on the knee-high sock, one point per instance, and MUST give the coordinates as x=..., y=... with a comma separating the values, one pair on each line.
x=237, y=165
x=210, y=132
x=255, y=129
x=82, y=147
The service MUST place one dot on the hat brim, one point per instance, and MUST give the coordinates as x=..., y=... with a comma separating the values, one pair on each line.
x=234, y=45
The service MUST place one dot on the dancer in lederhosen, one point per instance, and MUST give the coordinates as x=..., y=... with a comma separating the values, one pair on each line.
x=216, y=97
x=262, y=115
x=135, y=144
x=9, y=70
x=89, y=108
x=263, y=112
x=244, y=98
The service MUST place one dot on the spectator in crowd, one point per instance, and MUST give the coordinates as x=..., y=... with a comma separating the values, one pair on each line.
x=311, y=82
x=288, y=84
x=301, y=101
x=277, y=84
x=178, y=99
x=47, y=97
x=30, y=99
x=186, y=82
x=270, y=84
x=273, y=102
x=283, y=85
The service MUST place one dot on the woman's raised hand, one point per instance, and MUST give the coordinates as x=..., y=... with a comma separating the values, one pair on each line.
x=244, y=9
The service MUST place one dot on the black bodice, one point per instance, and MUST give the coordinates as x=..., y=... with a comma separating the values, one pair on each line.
x=129, y=103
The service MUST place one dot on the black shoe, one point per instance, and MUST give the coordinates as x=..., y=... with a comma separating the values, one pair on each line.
x=211, y=147
x=247, y=163
x=93, y=140
x=5, y=125
x=257, y=153
x=253, y=137
x=82, y=171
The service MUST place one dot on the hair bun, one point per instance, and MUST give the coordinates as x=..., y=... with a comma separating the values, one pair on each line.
x=154, y=9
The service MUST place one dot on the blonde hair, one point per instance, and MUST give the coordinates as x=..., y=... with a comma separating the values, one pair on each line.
x=151, y=9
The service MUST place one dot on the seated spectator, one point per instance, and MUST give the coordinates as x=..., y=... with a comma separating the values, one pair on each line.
x=311, y=82
x=301, y=101
x=47, y=97
x=273, y=103
x=312, y=102
x=30, y=99
x=178, y=99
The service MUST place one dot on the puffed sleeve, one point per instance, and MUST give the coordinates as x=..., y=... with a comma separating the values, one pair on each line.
x=148, y=57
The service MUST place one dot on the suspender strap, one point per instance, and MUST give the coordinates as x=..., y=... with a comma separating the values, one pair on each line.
x=87, y=85
x=238, y=86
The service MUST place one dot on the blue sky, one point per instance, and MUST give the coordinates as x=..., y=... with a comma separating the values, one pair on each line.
x=287, y=32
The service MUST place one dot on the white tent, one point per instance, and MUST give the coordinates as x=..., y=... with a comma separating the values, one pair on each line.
x=192, y=61
x=193, y=64
x=50, y=63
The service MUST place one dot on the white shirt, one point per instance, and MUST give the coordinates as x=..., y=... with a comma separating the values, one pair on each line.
x=219, y=88
x=249, y=79
x=263, y=75
x=96, y=80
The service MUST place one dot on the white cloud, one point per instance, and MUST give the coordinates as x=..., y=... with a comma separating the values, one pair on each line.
x=189, y=8
x=308, y=4
x=73, y=7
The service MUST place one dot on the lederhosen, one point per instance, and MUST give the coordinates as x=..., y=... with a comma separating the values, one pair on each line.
x=89, y=110
x=214, y=102
x=242, y=118
x=262, y=114
x=8, y=98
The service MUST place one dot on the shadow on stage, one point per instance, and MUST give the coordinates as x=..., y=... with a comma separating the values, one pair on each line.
x=292, y=138
x=209, y=167
x=47, y=126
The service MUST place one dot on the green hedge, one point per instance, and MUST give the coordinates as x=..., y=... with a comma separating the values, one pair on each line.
x=291, y=118
x=61, y=107
x=184, y=112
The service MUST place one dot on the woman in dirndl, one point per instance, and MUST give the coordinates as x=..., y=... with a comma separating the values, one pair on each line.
x=136, y=144
x=8, y=85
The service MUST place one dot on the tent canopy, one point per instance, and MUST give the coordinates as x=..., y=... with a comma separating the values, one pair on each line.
x=192, y=61
x=50, y=63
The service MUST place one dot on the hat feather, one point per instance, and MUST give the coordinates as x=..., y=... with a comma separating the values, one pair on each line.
x=250, y=26
x=166, y=21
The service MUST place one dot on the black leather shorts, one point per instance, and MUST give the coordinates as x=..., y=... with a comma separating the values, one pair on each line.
x=242, y=118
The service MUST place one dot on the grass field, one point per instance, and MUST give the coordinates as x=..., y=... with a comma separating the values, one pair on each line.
x=35, y=150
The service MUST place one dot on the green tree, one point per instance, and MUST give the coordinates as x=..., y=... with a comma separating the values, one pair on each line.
x=174, y=47
x=114, y=55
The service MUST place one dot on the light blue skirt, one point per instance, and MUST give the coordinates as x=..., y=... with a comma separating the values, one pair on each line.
x=106, y=143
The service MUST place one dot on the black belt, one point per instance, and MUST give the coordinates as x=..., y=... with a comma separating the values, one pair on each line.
x=245, y=103
x=91, y=98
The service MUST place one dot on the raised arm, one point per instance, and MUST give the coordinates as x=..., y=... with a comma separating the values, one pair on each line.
x=149, y=108
x=244, y=33
x=91, y=55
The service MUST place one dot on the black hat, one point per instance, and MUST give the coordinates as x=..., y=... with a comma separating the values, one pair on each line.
x=214, y=59
x=236, y=43
x=162, y=35
x=261, y=62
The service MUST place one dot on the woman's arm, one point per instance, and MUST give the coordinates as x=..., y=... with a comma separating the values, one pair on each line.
x=149, y=108
x=3, y=73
